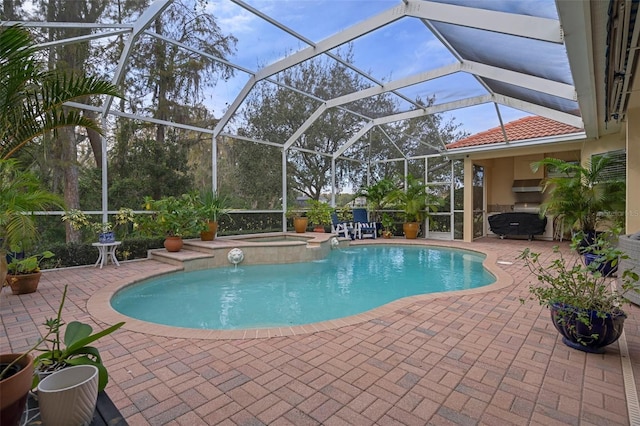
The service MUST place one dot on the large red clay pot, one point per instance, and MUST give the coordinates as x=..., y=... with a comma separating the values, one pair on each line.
x=173, y=243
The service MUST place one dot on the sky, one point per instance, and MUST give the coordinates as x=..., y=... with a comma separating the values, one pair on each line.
x=398, y=50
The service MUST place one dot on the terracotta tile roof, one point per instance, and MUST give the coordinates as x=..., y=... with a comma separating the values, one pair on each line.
x=525, y=128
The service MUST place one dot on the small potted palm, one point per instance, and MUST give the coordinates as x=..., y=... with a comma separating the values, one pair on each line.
x=585, y=308
x=416, y=202
x=212, y=206
x=299, y=219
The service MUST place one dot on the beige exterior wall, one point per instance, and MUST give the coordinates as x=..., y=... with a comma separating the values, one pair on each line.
x=504, y=166
x=499, y=182
x=604, y=144
x=632, y=219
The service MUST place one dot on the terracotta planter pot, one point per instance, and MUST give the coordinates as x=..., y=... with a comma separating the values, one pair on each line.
x=318, y=229
x=14, y=390
x=24, y=283
x=300, y=224
x=411, y=230
x=173, y=244
x=3, y=269
x=210, y=234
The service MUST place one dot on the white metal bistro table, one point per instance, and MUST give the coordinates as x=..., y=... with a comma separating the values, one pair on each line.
x=106, y=251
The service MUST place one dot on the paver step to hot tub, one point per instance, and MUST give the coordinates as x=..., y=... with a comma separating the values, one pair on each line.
x=197, y=254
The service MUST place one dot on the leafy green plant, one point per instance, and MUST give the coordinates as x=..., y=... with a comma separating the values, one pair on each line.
x=319, y=212
x=344, y=213
x=293, y=212
x=212, y=205
x=32, y=99
x=28, y=265
x=76, y=350
x=171, y=216
x=577, y=194
x=378, y=196
x=415, y=200
x=568, y=282
x=388, y=225
x=79, y=220
x=20, y=193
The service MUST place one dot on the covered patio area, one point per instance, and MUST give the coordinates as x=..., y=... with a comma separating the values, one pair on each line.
x=479, y=358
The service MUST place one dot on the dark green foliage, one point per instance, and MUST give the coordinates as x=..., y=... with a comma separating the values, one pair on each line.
x=579, y=194
x=73, y=254
x=78, y=254
x=136, y=248
x=249, y=223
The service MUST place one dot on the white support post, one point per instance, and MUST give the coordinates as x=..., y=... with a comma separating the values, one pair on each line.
x=333, y=182
x=214, y=163
x=425, y=180
x=105, y=195
x=284, y=190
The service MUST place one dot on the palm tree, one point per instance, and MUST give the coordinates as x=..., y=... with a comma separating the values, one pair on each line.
x=20, y=194
x=32, y=98
x=579, y=194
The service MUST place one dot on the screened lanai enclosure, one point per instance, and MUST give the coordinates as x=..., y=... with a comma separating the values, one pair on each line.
x=273, y=102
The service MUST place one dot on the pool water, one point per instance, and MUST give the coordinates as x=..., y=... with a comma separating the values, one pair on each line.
x=348, y=282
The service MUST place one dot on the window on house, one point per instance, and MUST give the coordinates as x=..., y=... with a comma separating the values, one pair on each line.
x=617, y=168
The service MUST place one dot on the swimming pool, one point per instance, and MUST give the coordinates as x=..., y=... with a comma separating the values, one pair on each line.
x=348, y=282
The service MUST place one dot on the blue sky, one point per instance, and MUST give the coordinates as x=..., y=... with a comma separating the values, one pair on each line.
x=395, y=51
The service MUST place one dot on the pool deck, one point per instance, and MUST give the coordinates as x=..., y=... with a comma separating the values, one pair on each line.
x=474, y=357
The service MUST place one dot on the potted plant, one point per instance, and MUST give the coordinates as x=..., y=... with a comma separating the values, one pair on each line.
x=416, y=203
x=388, y=225
x=377, y=196
x=319, y=214
x=300, y=221
x=20, y=194
x=106, y=231
x=173, y=217
x=16, y=373
x=578, y=195
x=212, y=206
x=23, y=275
x=584, y=307
x=73, y=349
x=17, y=370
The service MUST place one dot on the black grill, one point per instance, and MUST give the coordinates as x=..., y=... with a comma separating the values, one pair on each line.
x=528, y=224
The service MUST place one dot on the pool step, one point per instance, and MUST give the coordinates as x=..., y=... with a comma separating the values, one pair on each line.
x=197, y=254
x=180, y=258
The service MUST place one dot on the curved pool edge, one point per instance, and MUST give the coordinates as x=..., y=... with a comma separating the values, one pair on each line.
x=99, y=304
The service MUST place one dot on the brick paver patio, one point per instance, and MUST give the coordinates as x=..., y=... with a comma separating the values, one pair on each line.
x=466, y=359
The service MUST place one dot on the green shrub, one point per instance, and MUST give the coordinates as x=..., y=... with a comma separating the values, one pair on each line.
x=77, y=254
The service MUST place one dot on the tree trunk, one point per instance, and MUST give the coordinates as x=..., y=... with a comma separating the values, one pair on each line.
x=95, y=139
x=70, y=169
